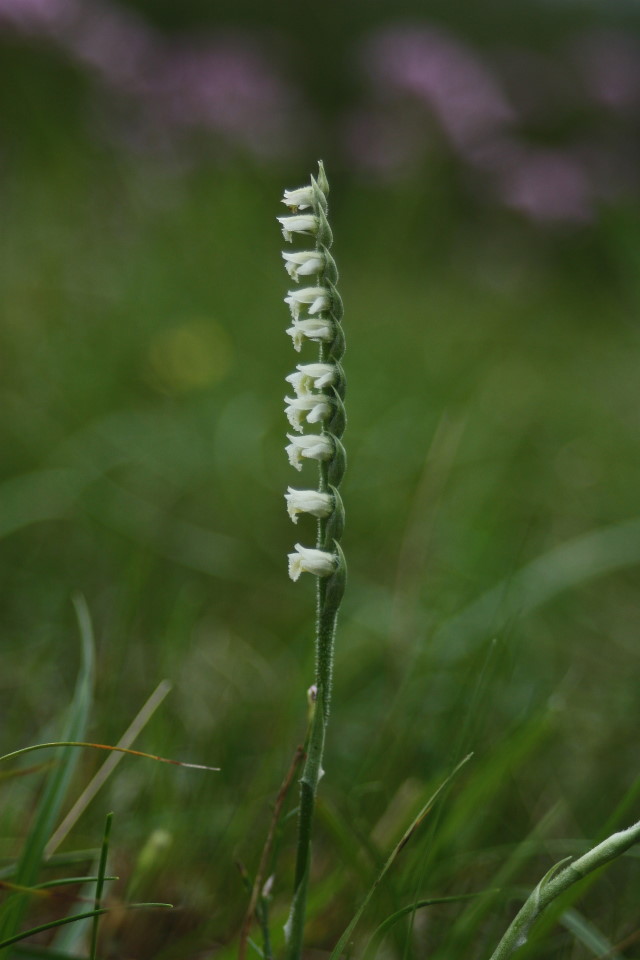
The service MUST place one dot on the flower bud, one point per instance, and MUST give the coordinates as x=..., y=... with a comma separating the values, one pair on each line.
x=308, y=560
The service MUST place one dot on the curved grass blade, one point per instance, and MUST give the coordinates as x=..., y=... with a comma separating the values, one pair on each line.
x=74, y=919
x=105, y=746
x=57, y=783
x=385, y=926
x=95, y=784
x=339, y=947
x=48, y=889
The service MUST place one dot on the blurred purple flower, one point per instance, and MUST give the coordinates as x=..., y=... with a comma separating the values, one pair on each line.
x=610, y=65
x=384, y=144
x=115, y=43
x=547, y=185
x=224, y=84
x=36, y=16
x=442, y=73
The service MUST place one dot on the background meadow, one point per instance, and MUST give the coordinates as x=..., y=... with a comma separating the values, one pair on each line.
x=485, y=205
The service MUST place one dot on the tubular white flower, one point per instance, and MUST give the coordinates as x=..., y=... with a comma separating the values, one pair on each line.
x=305, y=223
x=305, y=263
x=308, y=560
x=308, y=501
x=310, y=376
x=315, y=446
x=317, y=330
x=316, y=406
x=299, y=199
x=315, y=298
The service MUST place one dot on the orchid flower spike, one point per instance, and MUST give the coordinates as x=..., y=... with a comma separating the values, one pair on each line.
x=319, y=398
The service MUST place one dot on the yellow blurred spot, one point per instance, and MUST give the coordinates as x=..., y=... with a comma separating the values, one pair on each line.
x=189, y=356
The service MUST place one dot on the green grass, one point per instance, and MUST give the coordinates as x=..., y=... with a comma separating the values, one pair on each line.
x=492, y=538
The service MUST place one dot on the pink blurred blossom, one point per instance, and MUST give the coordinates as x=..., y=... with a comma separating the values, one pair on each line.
x=225, y=83
x=548, y=185
x=610, y=65
x=442, y=72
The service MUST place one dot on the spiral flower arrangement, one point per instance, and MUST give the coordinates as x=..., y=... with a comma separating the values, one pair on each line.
x=319, y=388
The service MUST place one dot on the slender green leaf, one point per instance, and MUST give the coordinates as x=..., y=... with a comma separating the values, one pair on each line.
x=411, y=908
x=57, y=783
x=339, y=947
x=102, y=869
x=589, y=935
x=61, y=921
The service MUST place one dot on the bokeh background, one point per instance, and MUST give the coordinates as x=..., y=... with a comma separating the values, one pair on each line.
x=484, y=163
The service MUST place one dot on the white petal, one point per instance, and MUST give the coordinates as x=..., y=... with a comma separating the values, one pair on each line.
x=313, y=329
x=321, y=411
x=300, y=198
x=308, y=560
x=311, y=375
x=313, y=446
x=304, y=223
x=316, y=298
x=314, y=502
x=303, y=263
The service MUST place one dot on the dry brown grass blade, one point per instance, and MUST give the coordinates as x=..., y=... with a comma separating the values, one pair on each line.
x=266, y=853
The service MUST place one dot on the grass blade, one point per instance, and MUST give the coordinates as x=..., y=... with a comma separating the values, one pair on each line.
x=410, y=908
x=102, y=869
x=75, y=918
x=339, y=947
x=104, y=746
x=57, y=783
x=107, y=768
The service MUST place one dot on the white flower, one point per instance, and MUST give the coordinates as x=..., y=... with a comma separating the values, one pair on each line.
x=308, y=501
x=307, y=560
x=299, y=223
x=316, y=298
x=315, y=446
x=299, y=199
x=303, y=264
x=317, y=406
x=310, y=376
x=316, y=330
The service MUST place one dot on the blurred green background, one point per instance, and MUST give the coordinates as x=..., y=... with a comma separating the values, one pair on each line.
x=485, y=207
